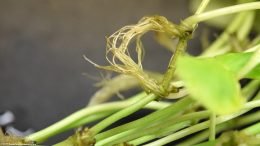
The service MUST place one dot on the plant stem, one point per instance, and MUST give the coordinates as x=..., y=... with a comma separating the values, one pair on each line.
x=199, y=127
x=223, y=38
x=179, y=134
x=249, y=90
x=67, y=142
x=253, y=130
x=220, y=12
x=171, y=67
x=202, y=6
x=242, y=24
x=156, y=116
x=126, y=135
x=123, y=113
x=155, y=105
x=94, y=117
x=77, y=117
x=181, y=46
x=155, y=129
x=61, y=126
x=252, y=104
x=246, y=27
x=212, y=128
x=252, y=63
x=89, y=119
x=235, y=123
x=255, y=48
x=147, y=138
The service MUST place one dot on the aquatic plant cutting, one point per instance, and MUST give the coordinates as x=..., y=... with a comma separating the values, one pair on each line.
x=212, y=99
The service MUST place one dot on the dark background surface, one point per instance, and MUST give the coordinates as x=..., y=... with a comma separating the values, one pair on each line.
x=41, y=47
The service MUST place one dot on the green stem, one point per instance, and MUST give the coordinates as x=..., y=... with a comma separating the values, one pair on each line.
x=252, y=63
x=67, y=142
x=156, y=116
x=246, y=27
x=143, y=139
x=200, y=9
x=249, y=90
x=242, y=24
x=252, y=104
x=198, y=127
x=156, y=129
x=61, y=126
x=235, y=123
x=212, y=128
x=253, y=130
x=89, y=119
x=152, y=105
x=202, y=6
x=123, y=113
x=253, y=49
x=171, y=67
x=181, y=46
x=223, y=38
x=155, y=105
x=179, y=134
x=86, y=115
x=147, y=138
x=248, y=119
x=220, y=12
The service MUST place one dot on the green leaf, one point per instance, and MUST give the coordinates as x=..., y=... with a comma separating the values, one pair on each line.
x=236, y=61
x=208, y=143
x=209, y=82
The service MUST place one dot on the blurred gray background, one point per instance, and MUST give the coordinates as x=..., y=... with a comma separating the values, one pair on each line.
x=41, y=47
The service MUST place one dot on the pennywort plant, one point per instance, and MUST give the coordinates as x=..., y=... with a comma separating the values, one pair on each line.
x=210, y=104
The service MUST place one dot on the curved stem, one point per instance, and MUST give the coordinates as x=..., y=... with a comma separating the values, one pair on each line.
x=245, y=28
x=61, y=126
x=184, y=133
x=253, y=130
x=202, y=6
x=94, y=117
x=252, y=104
x=181, y=47
x=123, y=113
x=241, y=24
x=201, y=126
x=88, y=119
x=235, y=123
x=252, y=63
x=167, y=78
x=78, y=117
x=223, y=38
x=249, y=90
x=212, y=128
x=171, y=129
x=156, y=116
x=155, y=129
x=220, y=12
